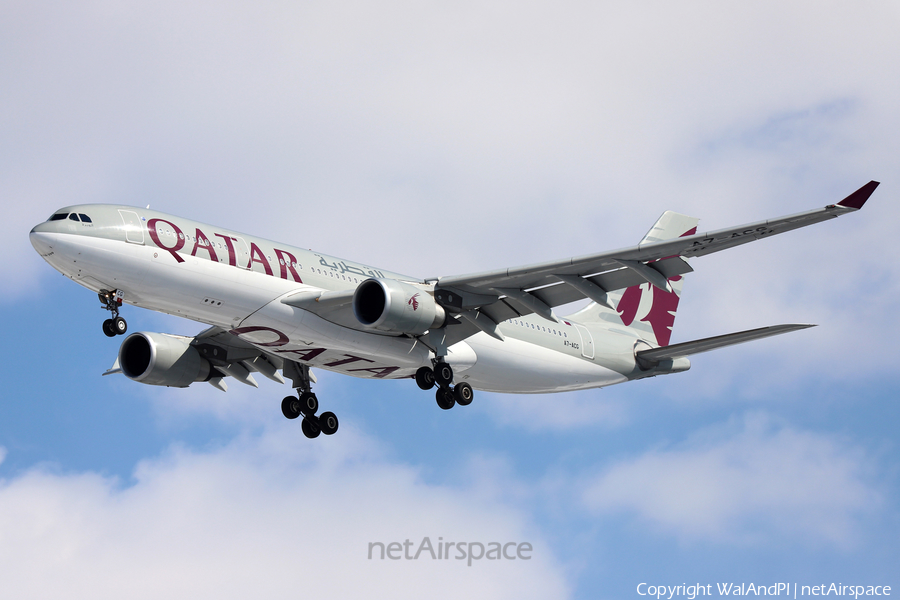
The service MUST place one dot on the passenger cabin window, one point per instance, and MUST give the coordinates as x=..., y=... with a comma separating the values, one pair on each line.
x=58, y=217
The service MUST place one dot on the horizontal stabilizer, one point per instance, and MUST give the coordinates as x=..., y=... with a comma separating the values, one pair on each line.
x=712, y=343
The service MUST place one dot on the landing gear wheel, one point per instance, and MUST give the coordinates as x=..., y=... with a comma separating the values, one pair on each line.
x=445, y=399
x=328, y=423
x=463, y=393
x=309, y=404
x=443, y=374
x=310, y=429
x=425, y=378
x=290, y=407
x=119, y=326
x=108, y=328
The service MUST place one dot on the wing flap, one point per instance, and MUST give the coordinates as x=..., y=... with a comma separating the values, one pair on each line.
x=503, y=311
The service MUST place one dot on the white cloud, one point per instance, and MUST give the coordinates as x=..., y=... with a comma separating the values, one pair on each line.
x=271, y=515
x=752, y=481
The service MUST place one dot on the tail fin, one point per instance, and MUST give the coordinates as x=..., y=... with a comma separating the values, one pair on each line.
x=646, y=309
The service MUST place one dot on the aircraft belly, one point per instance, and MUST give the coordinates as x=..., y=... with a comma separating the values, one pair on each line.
x=516, y=366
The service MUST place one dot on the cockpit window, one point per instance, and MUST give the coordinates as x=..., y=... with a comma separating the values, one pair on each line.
x=84, y=218
x=58, y=217
x=73, y=217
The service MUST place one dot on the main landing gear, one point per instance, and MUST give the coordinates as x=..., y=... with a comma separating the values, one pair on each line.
x=442, y=375
x=111, y=301
x=306, y=403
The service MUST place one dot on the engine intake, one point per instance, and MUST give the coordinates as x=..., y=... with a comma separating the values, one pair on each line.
x=396, y=307
x=160, y=359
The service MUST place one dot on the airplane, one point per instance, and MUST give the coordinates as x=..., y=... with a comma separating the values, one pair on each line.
x=279, y=310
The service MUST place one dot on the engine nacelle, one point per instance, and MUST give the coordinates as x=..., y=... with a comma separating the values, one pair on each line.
x=397, y=307
x=160, y=359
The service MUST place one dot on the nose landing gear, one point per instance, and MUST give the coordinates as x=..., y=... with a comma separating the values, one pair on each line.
x=111, y=301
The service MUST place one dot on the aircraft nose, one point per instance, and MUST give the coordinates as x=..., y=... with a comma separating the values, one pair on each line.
x=41, y=239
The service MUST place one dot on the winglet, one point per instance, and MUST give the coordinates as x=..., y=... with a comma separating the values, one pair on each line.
x=859, y=197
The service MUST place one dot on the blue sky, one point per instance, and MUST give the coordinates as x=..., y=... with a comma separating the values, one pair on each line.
x=439, y=140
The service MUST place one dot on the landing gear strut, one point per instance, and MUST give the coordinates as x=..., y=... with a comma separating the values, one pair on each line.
x=306, y=403
x=447, y=395
x=111, y=301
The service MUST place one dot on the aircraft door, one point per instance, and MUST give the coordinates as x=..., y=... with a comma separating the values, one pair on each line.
x=242, y=250
x=134, y=231
x=587, y=341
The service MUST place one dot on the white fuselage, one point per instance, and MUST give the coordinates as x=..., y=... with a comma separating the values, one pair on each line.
x=236, y=281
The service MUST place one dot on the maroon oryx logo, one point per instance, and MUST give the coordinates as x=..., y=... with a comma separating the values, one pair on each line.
x=413, y=302
x=661, y=315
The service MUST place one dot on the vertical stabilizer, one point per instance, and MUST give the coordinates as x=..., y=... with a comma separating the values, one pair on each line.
x=646, y=309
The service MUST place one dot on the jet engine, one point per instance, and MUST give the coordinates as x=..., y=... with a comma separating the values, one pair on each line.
x=396, y=307
x=161, y=359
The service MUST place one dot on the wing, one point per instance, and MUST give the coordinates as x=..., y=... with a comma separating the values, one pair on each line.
x=230, y=356
x=483, y=300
